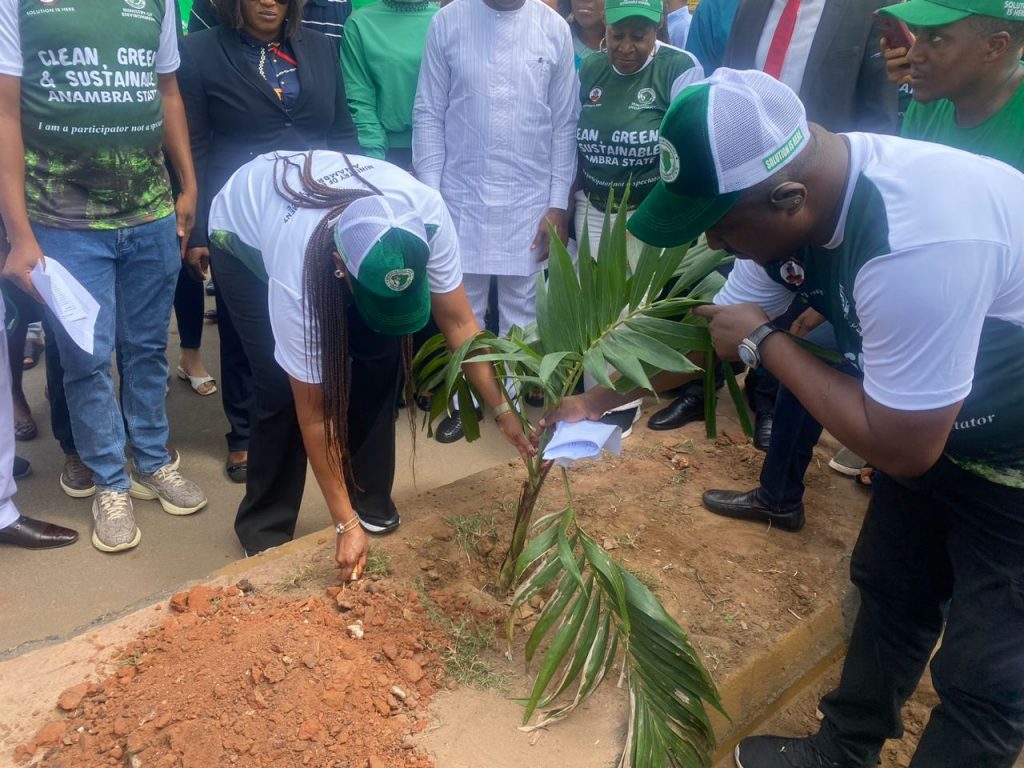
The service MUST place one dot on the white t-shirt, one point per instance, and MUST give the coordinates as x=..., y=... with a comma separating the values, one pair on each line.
x=269, y=235
x=923, y=281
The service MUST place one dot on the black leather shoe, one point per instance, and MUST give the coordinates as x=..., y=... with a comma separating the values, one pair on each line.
x=28, y=533
x=449, y=429
x=22, y=468
x=682, y=410
x=779, y=752
x=741, y=505
x=763, y=430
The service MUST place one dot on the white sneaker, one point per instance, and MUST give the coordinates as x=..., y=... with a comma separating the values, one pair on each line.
x=114, y=526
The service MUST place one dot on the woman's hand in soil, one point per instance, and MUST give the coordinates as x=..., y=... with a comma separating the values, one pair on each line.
x=350, y=554
x=730, y=325
x=512, y=430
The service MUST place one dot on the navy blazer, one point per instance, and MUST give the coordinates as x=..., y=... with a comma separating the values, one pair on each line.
x=234, y=115
x=845, y=87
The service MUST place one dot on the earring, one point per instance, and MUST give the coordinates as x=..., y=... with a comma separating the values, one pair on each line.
x=338, y=273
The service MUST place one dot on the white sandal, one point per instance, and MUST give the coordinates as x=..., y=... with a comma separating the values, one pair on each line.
x=197, y=381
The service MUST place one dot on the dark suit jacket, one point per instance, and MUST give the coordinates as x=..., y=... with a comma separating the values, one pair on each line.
x=233, y=115
x=844, y=87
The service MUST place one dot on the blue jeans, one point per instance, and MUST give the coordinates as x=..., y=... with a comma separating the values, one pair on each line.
x=794, y=434
x=131, y=272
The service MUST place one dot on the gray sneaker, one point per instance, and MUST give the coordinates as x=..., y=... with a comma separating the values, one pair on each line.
x=848, y=463
x=114, y=524
x=177, y=495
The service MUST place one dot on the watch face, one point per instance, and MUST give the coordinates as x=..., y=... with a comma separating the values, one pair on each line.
x=748, y=356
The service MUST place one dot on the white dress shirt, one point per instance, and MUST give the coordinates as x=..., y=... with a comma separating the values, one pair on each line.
x=795, y=62
x=494, y=126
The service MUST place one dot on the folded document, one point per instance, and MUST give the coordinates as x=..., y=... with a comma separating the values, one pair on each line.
x=582, y=440
x=70, y=303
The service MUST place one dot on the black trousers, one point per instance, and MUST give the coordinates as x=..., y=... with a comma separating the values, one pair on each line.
x=189, y=303
x=237, y=387
x=947, y=545
x=277, y=459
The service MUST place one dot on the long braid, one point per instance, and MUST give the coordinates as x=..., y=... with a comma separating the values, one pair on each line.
x=326, y=296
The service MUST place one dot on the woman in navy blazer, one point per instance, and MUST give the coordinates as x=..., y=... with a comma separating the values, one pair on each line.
x=259, y=82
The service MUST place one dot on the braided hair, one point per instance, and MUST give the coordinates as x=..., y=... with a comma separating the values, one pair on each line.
x=327, y=298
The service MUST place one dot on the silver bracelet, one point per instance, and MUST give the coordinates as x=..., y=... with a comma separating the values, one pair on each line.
x=341, y=528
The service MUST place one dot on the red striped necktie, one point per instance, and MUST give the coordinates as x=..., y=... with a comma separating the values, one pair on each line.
x=781, y=39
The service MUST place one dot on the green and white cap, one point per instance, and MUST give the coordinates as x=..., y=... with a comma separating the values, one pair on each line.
x=720, y=136
x=936, y=13
x=619, y=10
x=384, y=245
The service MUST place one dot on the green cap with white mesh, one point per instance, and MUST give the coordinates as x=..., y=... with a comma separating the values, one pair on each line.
x=384, y=245
x=720, y=136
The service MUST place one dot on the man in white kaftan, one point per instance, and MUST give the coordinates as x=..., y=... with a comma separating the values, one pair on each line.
x=494, y=130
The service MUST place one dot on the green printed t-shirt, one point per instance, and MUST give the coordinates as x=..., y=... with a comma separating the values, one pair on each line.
x=1000, y=137
x=92, y=116
x=617, y=133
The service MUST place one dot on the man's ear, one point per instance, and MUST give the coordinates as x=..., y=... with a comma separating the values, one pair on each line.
x=996, y=46
x=789, y=196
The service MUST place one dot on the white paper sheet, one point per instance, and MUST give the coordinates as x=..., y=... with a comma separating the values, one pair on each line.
x=582, y=440
x=72, y=305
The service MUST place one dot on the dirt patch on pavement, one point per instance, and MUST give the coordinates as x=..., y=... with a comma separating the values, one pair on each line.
x=210, y=686
x=234, y=676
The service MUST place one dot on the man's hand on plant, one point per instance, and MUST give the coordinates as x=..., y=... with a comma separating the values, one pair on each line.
x=730, y=325
x=572, y=408
x=897, y=65
x=197, y=260
x=20, y=262
x=542, y=241
x=350, y=552
x=512, y=430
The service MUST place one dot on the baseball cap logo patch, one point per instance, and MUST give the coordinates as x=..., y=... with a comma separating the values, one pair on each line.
x=399, y=279
x=669, y=161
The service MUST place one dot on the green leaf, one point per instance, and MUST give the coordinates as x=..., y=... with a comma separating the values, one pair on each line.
x=595, y=364
x=536, y=548
x=550, y=614
x=710, y=397
x=738, y=400
x=550, y=363
x=626, y=363
x=556, y=652
x=652, y=351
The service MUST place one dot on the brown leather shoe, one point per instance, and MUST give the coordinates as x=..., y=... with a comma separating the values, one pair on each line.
x=29, y=533
x=76, y=478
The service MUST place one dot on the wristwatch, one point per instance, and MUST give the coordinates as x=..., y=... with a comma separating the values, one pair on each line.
x=749, y=348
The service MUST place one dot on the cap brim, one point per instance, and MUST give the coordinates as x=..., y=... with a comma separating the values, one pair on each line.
x=398, y=316
x=923, y=13
x=665, y=219
x=615, y=15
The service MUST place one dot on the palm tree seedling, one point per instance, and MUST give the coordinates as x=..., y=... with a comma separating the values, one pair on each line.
x=620, y=317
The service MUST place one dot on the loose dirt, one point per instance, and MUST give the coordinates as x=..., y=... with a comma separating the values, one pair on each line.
x=239, y=677
x=210, y=685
